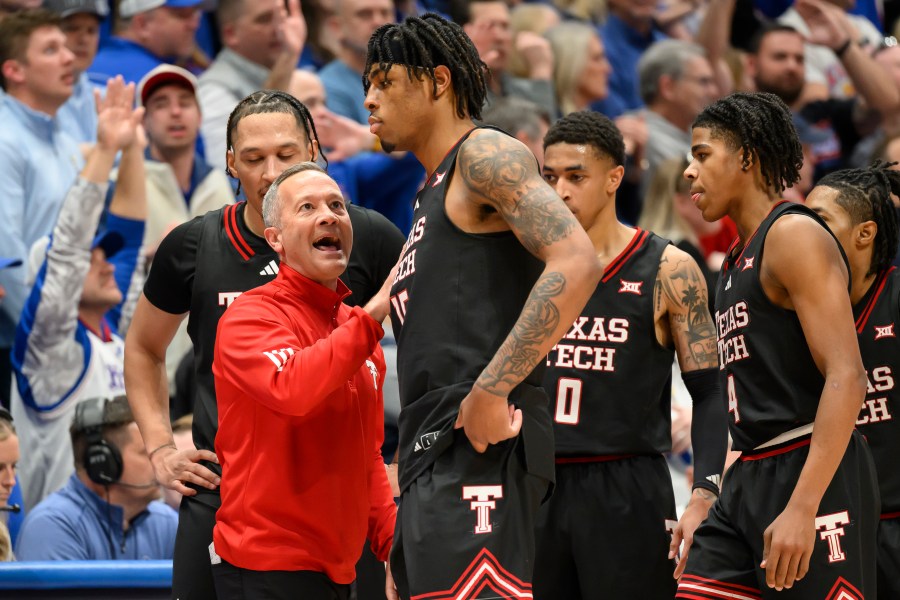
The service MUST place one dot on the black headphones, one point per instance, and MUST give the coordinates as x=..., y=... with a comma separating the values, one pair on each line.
x=102, y=459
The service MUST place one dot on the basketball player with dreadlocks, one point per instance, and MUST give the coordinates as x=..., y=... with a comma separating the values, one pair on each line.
x=200, y=268
x=856, y=205
x=798, y=510
x=610, y=383
x=494, y=272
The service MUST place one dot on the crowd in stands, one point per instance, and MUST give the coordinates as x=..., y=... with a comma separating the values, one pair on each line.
x=114, y=125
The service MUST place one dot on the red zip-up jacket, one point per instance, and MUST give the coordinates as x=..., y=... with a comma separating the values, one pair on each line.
x=301, y=422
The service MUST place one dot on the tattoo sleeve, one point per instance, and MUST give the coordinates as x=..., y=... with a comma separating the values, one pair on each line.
x=682, y=287
x=503, y=173
x=520, y=352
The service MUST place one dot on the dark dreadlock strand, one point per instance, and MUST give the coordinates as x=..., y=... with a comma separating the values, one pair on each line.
x=273, y=101
x=421, y=44
x=589, y=128
x=760, y=125
x=866, y=196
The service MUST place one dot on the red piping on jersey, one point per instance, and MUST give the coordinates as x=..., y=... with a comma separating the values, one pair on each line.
x=447, y=153
x=234, y=234
x=870, y=305
x=578, y=460
x=887, y=516
x=777, y=450
x=640, y=236
x=105, y=333
x=737, y=240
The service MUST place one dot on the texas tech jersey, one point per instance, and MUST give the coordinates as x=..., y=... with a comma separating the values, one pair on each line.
x=768, y=373
x=454, y=300
x=609, y=380
x=877, y=314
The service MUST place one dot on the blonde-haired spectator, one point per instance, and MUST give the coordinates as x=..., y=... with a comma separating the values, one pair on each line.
x=580, y=66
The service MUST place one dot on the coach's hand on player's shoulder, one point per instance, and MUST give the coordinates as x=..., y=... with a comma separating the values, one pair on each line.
x=788, y=546
x=487, y=418
x=175, y=468
x=683, y=534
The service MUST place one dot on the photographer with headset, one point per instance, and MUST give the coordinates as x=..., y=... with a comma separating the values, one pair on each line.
x=107, y=510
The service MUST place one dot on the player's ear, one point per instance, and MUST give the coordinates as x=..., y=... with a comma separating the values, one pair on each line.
x=442, y=80
x=614, y=179
x=864, y=234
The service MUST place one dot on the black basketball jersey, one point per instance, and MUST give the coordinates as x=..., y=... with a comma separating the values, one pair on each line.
x=767, y=372
x=876, y=327
x=454, y=300
x=609, y=379
x=204, y=264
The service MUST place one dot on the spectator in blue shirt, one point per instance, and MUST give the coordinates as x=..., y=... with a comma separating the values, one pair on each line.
x=629, y=30
x=108, y=508
x=39, y=159
x=146, y=34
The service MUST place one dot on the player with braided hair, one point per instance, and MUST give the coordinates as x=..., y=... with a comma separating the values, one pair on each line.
x=494, y=271
x=612, y=479
x=199, y=269
x=856, y=204
x=799, y=509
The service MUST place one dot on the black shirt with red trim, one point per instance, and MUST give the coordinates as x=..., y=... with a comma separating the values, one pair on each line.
x=454, y=301
x=609, y=379
x=203, y=265
x=771, y=382
x=877, y=315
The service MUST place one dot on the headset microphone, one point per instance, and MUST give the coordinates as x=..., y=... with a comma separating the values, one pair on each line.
x=13, y=508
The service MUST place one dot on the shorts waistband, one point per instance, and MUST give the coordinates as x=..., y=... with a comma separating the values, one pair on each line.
x=578, y=460
x=768, y=451
x=787, y=436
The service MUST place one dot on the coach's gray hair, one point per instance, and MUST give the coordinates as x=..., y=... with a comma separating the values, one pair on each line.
x=666, y=57
x=271, y=207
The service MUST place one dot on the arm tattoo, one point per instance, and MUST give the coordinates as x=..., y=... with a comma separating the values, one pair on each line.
x=521, y=351
x=682, y=286
x=504, y=174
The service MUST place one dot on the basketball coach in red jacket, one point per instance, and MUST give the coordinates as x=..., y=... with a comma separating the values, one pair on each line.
x=298, y=380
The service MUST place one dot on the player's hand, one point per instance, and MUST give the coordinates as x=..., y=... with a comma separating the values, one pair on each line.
x=393, y=477
x=390, y=588
x=487, y=418
x=174, y=468
x=117, y=118
x=695, y=513
x=788, y=546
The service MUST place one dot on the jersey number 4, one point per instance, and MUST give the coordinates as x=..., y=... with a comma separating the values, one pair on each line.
x=732, y=400
x=568, y=401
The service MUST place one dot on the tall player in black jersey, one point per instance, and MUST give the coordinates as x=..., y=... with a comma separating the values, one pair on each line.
x=856, y=205
x=200, y=268
x=604, y=533
x=798, y=510
x=474, y=311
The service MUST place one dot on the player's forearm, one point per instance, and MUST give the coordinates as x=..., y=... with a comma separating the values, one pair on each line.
x=147, y=387
x=555, y=302
x=835, y=420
